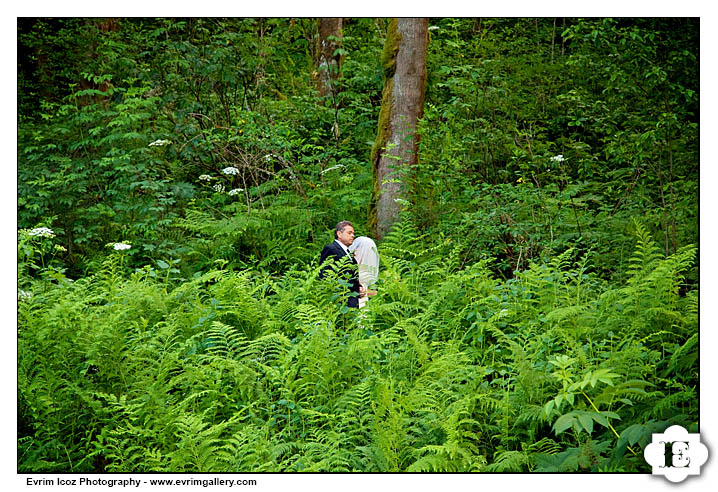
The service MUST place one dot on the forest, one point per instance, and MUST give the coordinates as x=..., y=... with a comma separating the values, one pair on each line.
x=531, y=185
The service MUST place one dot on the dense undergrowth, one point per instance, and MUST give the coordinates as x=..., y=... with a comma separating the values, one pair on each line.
x=448, y=369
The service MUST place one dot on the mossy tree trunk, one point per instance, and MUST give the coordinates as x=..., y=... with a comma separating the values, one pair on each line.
x=329, y=61
x=395, y=150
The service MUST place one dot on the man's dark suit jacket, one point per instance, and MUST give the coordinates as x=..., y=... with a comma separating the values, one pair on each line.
x=349, y=274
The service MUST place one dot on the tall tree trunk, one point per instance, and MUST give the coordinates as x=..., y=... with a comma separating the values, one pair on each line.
x=395, y=150
x=328, y=63
x=104, y=26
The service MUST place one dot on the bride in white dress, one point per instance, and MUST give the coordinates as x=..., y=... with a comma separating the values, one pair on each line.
x=367, y=257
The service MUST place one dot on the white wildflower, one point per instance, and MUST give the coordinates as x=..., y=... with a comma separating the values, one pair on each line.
x=268, y=157
x=23, y=295
x=235, y=191
x=42, y=232
x=219, y=188
x=205, y=177
x=159, y=143
x=230, y=170
x=121, y=246
x=558, y=158
x=332, y=168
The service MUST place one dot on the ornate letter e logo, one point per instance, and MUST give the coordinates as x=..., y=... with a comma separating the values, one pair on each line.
x=676, y=454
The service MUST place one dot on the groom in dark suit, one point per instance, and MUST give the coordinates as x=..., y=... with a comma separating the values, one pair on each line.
x=338, y=250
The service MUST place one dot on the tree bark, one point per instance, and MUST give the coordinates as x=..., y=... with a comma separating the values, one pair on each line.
x=328, y=63
x=395, y=150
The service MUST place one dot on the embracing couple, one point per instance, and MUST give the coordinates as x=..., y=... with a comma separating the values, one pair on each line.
x=358, y=261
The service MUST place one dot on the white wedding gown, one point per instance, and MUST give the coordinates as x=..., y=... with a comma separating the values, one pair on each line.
x=367, y=257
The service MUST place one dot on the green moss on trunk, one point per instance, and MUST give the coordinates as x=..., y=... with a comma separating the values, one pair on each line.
x=388, y=63
x=391, y=47
x=382, y=134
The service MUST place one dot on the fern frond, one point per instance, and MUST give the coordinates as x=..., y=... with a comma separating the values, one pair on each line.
x=509, y=461
x=645, y=256
x=267, y=348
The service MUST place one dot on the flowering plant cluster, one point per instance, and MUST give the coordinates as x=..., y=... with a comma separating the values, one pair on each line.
x=220, y=187
x=230, y=170
x=558, y=158
x=42, y=232
x=121, y=246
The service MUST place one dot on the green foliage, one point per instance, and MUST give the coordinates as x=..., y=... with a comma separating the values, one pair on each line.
x=537, y=305
x=447, y=370
x=583, y=124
